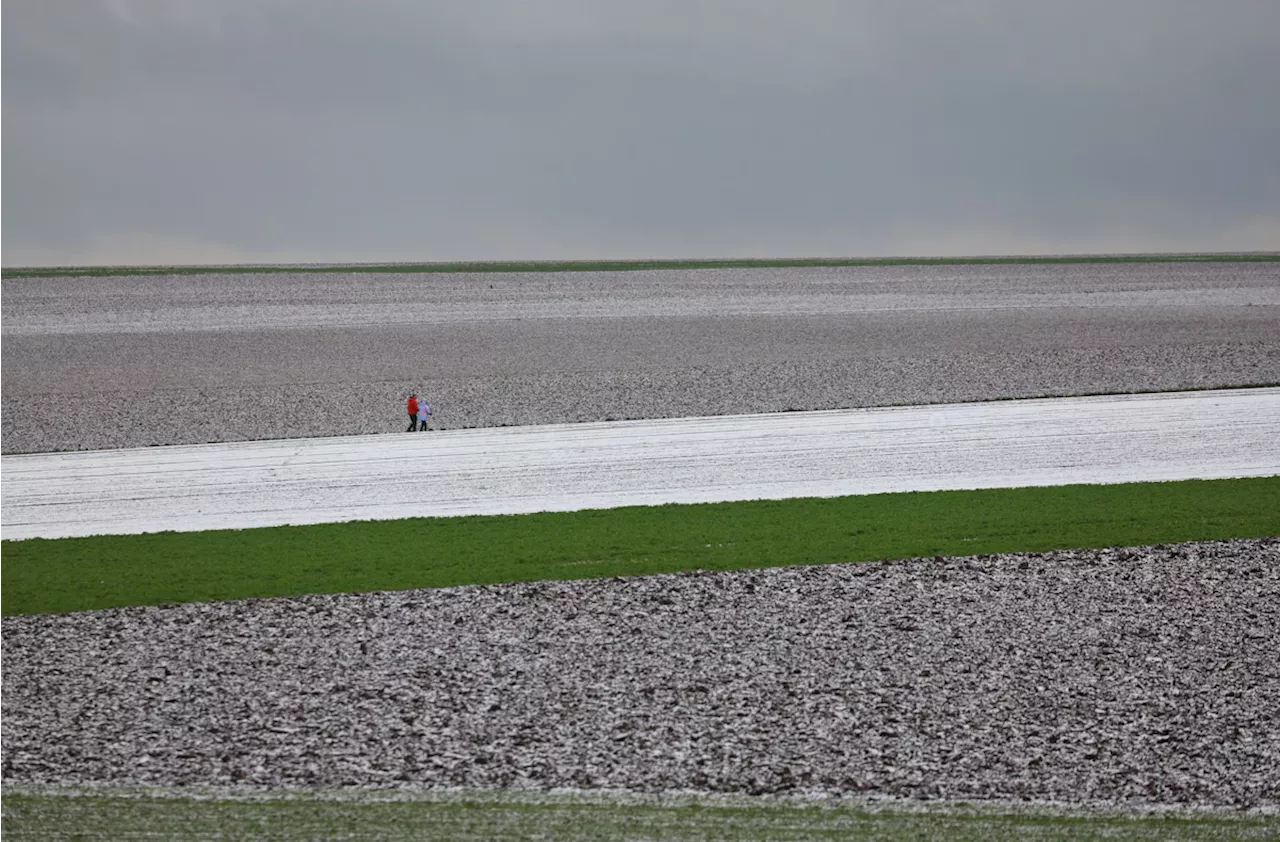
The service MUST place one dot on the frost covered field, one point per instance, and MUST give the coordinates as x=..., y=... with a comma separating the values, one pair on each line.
x=1000, y=444
x=108, y=362
x=1140, y=678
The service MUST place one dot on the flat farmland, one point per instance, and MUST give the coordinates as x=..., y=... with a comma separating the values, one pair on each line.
x=1112, y=439
x=109, y=362
x=1135, y=679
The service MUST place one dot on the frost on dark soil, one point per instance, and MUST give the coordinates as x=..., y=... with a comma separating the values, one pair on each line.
x=138, y=361
x=1133, y=676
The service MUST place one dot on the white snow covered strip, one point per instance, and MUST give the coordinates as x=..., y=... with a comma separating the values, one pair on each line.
x=565, y=467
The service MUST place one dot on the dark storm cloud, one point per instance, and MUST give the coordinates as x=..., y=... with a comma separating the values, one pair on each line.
x=142, y=130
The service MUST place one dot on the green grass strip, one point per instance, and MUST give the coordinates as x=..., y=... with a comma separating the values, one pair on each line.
x=78, y=574
x=622, y=265
x=484, y=817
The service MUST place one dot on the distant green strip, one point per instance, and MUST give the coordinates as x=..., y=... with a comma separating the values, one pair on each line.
x=620, y=265
x=78, y=574
x=480, y=816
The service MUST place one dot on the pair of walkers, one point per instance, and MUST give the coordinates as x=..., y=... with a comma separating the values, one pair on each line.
x=419, y=414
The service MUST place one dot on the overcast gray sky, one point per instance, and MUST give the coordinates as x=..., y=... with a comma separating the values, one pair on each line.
x=161, y=131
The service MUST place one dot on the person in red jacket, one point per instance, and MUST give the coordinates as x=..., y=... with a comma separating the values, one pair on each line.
x=413, y=413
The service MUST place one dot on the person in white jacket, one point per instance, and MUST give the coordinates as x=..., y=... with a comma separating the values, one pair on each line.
x=424, y=415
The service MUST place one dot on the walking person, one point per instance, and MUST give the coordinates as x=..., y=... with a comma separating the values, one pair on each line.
x=413, y=413
x=424, y=416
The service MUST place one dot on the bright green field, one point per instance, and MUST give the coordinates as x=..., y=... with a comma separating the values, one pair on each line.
x=627, y=265
x=76, y=574
x=571, y=818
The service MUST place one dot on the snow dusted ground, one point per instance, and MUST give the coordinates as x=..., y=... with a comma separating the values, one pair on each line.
x=1132, y=677
x=1111, y=439
x=99, y=363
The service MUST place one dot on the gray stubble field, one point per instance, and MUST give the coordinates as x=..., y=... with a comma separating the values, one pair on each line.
x=96, y=363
